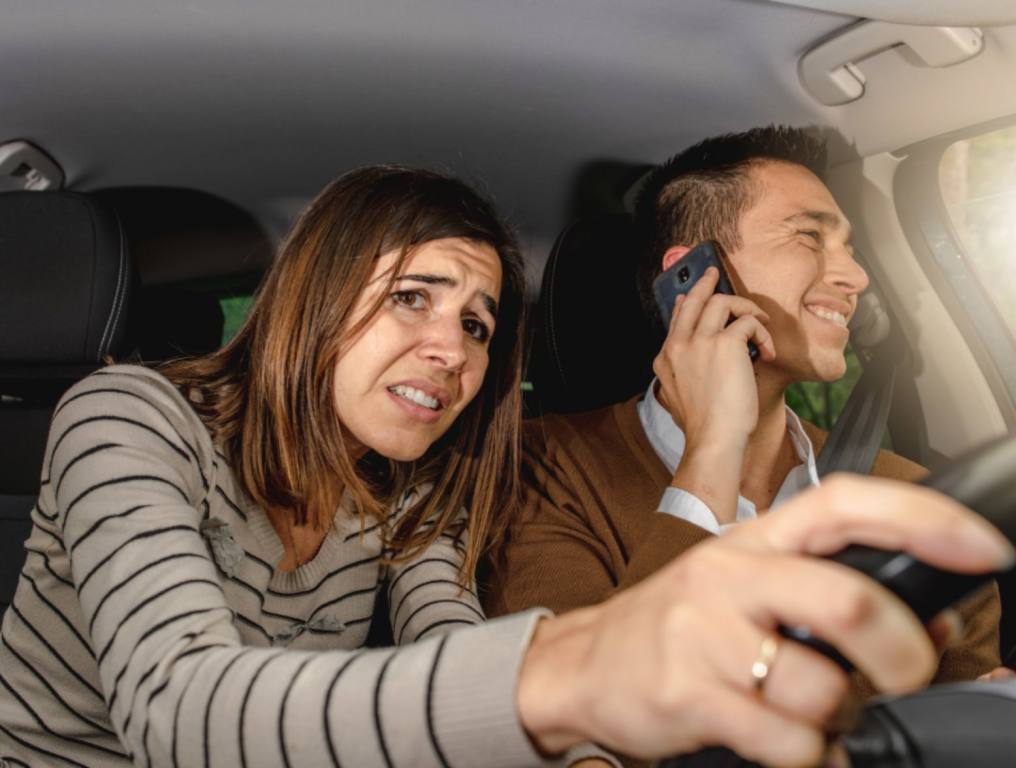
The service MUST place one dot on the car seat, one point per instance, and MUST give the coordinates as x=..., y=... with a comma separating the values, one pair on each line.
x=591, y=344
x=189, y=248
x=64, y=300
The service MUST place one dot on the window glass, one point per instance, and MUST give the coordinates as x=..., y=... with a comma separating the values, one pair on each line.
x=234, y=310
x=978, y=182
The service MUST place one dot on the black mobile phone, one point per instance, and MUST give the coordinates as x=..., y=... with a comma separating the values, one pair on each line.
x=684, y=273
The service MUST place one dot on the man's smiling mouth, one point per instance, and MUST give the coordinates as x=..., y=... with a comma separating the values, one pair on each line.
x=416, y=396
x=828, y=314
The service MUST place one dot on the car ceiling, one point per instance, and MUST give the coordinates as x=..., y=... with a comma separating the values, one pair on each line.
x=263, y=102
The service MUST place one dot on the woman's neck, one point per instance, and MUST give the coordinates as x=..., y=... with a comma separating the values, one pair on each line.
x=300, y=543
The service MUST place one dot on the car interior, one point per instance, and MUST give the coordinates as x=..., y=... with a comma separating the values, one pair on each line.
x=153, y=154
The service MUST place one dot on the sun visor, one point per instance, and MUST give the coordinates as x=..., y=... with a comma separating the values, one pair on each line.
x=830, y=71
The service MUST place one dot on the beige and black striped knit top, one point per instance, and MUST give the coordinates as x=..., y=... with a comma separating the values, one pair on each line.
x=151, y=627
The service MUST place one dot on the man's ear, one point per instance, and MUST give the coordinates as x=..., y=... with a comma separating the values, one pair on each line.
x=674, y=253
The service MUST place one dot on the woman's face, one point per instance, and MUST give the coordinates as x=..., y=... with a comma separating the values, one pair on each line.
x=403, y=380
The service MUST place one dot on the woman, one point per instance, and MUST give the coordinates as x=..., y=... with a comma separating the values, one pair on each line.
x=261, y=496
x=206, y=531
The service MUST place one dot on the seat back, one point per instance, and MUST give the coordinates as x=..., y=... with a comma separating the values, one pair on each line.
x=190, y=248
x=591, y=342
x=64, y=298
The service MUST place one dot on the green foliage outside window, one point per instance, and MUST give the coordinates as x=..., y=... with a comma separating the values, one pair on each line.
x=235, y=310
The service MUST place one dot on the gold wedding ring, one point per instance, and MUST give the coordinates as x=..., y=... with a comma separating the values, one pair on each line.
x=764, y=663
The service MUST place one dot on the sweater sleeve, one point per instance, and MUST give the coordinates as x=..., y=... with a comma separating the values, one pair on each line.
x=129, y=471
x=425, y=596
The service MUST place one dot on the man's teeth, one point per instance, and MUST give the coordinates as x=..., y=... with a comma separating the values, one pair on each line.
x=415, y=396
x=828, y=314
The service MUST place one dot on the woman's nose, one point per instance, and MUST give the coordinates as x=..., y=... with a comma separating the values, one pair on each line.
x=445, y=344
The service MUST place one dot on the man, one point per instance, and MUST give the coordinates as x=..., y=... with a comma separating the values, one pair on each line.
x=612, y=495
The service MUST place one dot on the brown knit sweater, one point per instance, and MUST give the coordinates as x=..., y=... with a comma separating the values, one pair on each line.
x=589, y=526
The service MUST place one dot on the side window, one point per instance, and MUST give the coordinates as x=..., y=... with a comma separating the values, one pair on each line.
x=234, y=311
x=977, y=177
x=821, y=402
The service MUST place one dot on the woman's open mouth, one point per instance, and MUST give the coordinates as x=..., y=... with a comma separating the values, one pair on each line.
x=417, y=396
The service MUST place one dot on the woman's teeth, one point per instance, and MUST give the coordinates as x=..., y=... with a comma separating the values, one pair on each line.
x=828, y=314
x=415, y=396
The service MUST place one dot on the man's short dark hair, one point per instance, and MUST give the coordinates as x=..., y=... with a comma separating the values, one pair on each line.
x=701, y=193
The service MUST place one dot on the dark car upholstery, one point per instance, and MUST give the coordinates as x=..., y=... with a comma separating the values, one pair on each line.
x=70, y=249
x=591, y=342
x=186, y=245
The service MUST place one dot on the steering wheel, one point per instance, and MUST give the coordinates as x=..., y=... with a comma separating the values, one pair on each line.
x=945, y=725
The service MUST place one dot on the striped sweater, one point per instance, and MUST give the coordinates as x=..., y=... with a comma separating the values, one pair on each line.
x=151, y=627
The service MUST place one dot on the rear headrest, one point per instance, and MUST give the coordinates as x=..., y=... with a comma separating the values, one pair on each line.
x=181, y=235
x=592, y=344
x=66, y=282
x=189, y=247
x=171, y=321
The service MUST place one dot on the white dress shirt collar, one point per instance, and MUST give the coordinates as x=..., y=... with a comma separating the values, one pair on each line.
x=668, y=441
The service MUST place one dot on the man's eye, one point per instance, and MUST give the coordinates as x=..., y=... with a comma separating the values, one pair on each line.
x=410, y=299
x=814, y=234
x=476, y=329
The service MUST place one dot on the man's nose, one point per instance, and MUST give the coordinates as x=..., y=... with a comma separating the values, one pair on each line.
x=845, y=273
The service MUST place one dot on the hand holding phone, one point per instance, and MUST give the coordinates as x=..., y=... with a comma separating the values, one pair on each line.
x=685, y=272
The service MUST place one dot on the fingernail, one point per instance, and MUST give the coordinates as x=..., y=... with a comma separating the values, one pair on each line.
x=956, y=626
x=986, y=537
x=836, y=757
x=947, y=628
x=1007, y=558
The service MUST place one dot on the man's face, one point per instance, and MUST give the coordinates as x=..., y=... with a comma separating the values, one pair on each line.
x=797, y=264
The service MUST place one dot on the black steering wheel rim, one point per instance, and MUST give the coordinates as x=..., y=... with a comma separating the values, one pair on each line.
x=983, y=479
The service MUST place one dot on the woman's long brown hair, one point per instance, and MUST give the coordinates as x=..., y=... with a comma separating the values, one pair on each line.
x=267, y=395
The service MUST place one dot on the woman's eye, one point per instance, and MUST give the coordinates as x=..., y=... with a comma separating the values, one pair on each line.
x=410, y=299
x=476, y=329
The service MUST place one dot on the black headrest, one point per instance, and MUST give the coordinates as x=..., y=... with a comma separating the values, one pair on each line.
x=181, y=235
x=172, y=321
x=66, y=282
x=592, y=344
x=189, y=247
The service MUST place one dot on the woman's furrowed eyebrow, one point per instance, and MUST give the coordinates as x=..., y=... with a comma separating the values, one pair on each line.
x=430, y=279
x=488, y=301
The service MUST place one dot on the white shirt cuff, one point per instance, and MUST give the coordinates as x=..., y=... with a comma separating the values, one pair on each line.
x=687, y=506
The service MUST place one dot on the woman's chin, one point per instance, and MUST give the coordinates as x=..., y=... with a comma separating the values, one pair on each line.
x=405, y=449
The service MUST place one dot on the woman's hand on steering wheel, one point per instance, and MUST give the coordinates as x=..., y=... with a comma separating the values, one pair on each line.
x=687, y=659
